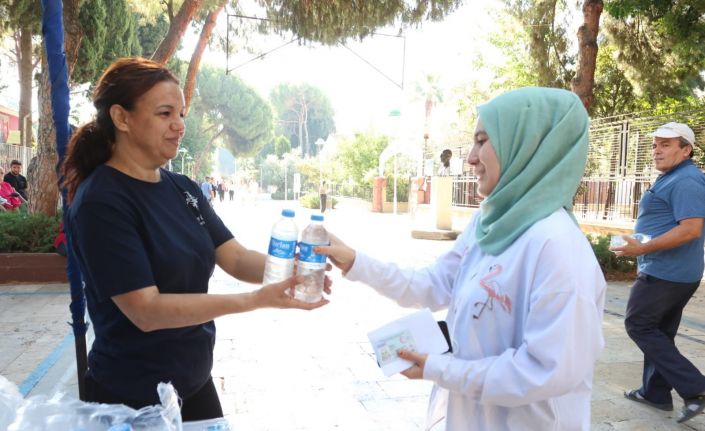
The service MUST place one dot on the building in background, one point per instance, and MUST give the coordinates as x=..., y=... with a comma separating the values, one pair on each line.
x=9, y=126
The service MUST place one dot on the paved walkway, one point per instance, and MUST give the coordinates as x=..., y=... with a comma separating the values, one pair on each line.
x=291, y=370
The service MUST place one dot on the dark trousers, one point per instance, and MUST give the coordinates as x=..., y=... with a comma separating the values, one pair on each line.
x=323, y=203
x=653, y=315
x=202, y=405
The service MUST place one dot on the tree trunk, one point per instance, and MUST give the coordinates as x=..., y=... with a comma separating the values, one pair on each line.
x=73, y=33
x=205, y=152
x=300, y=118
x=195, y=63
x=41, y=174
x=427, y=120
x=584, y=80
x=25, y=66
x=306, y=140
x=177, y=28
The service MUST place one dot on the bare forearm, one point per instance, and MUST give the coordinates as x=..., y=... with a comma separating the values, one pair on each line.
x=150, y=310
x=241, y=263
x=166, y=311
x=250, y=267
x=686, y=231
x=675, y=237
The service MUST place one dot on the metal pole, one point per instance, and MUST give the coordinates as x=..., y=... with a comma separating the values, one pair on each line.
x=395, y=183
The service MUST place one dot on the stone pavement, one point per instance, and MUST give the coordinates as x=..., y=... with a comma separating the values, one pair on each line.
x=292, y=370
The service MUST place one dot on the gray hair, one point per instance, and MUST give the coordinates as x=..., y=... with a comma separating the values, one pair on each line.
x=682, y=142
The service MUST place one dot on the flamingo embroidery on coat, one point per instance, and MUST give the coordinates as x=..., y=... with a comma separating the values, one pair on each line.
x=493, y=290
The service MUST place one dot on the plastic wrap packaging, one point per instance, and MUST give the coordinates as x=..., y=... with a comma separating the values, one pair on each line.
x=10, y=402
x=61, y=412
x=219, y=424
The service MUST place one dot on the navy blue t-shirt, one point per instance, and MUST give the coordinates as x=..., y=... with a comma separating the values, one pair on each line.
x=129, y=234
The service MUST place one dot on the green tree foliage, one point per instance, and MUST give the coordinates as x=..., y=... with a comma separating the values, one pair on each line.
x=656, y=63
x=273, y=172
x=660, y=44
x=195, y=141
x=614, y=93
x=110, y=32
x=649, y=51
x=512, y=39
x=304, y=114
x=357, y=159
x=233, y=110
x=547, y=42
x=278, y=146
x=333, y=21
x=16, y=13
x=151, y=33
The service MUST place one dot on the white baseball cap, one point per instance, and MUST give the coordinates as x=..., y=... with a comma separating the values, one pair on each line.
x=675, y=130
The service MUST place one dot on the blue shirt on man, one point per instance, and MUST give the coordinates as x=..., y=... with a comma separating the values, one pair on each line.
x=206, y=190
x=676, y=195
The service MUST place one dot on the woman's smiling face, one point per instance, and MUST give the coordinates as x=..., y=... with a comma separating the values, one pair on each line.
x=484, y=162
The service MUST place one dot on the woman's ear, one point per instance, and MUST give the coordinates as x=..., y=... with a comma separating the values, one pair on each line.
x=119, y=116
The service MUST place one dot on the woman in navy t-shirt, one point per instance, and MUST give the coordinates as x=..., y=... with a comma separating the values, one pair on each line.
x=147, y=242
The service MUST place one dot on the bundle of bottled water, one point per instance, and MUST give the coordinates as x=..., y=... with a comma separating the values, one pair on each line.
x=282, y=252
x=63, y=412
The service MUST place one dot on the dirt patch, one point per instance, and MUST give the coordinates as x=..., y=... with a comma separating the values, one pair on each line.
x=620, y=276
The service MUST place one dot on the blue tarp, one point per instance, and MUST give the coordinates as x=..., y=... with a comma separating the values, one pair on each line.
x=53, y=32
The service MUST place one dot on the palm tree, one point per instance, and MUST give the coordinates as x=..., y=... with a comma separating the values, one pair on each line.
x=429, y=91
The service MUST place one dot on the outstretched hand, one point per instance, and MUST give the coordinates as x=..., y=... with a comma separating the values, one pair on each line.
x=339, y=253
x=280, y=295
x=633, y=247
x=415, y=372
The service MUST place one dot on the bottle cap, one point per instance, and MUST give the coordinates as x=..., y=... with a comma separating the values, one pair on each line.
x=288, y=213
x=317, y=217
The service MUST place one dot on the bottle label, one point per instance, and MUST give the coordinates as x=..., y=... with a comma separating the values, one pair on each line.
x=306, y=254
x=282, y=249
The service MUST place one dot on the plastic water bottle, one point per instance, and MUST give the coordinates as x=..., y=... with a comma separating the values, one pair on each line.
x=282, y=247
x=311, y=265
x=618, y=241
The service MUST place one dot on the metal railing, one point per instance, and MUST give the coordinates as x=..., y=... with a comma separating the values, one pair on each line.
x=609, y=199
x=619, y=167
x=10, y=152
x=618, y=171
x=465, y=192
x=605, y=199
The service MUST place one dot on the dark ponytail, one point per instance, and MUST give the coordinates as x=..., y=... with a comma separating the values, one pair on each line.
x=88, y=148
x=123, y=83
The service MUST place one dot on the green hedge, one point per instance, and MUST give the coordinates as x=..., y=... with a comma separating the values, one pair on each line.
x=27, y=233
x=313, y=201
x=610, y=262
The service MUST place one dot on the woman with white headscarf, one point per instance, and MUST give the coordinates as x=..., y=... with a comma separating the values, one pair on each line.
x=524, y=292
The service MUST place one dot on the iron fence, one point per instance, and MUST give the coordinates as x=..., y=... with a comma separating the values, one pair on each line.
x=465, y=192
x=619, y=167
x=10, y=152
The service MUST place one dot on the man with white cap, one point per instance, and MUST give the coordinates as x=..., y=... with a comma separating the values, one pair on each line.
x=670, y=267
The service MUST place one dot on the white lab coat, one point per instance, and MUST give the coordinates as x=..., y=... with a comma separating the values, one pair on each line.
x=525, y=361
